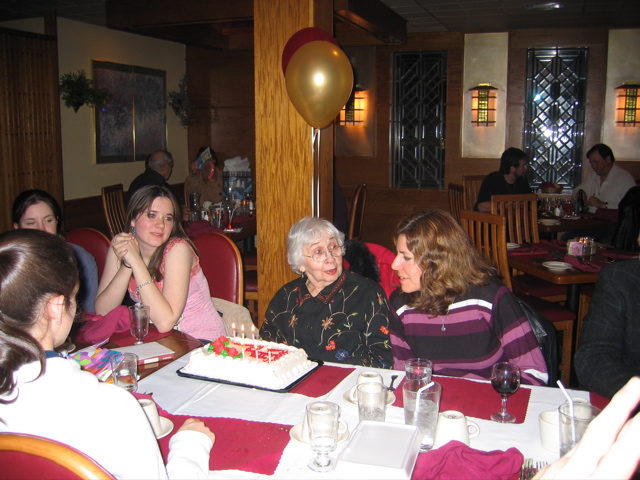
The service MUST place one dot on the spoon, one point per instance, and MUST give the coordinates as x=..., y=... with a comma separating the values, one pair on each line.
x=393, y=379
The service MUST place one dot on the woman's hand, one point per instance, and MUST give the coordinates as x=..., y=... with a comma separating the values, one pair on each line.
x=609, y=447
x=197, y=425
x=120, y=245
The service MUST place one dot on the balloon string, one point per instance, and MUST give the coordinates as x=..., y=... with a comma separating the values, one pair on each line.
x=315, y=187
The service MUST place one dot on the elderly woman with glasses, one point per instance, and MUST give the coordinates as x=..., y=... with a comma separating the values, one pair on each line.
x=333, y=314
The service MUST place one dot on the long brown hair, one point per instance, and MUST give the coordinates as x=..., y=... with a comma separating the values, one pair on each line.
x=450, y=263
x=34, y=266
x=140, y=202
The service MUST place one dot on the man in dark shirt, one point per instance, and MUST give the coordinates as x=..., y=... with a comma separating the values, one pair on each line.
x=509, y=180
x=159, y=167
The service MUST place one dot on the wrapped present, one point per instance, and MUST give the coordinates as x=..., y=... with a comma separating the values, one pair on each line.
x=96, y=363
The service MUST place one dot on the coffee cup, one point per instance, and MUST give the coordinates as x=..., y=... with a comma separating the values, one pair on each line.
x=364, y=377
x=151, y=411
x=304, y=428
x=453, y=425
x=549, y=428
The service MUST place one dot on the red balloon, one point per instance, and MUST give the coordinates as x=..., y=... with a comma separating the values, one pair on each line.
x=300, y=38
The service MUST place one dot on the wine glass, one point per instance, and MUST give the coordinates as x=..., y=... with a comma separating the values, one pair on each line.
x=139, y=321
x=322, y=418
x=505, y=379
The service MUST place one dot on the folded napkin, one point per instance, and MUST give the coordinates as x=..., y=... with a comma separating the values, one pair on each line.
x=457, y=461
x=588, y=267
x=474, y=399
x=598, y=400
x=555, y=244
x=98, y=328
x=322, y=381
x=240, y=444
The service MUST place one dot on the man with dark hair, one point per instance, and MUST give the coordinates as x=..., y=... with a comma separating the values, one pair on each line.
x=606, y=187
x=159, y=166
x=509, y=180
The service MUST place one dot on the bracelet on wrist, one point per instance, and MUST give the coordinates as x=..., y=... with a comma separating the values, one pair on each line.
x=125, y=264
x=139, y=287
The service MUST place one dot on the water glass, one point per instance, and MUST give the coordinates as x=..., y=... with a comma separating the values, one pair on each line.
x=139, y=316
x=573, y=426
x=372, y=401
x=421, y=408
x=124, y=367
x=418, y=369
x=322, y=418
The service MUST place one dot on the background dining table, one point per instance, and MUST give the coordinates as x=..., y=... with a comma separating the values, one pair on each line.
x=585, y=221
x=257, y=422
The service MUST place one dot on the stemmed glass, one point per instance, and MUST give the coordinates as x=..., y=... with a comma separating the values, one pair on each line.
x=505, y=379
x=139, y=321
x=322, y=418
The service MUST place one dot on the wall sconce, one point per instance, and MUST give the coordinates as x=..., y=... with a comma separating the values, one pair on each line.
x=628, y=104
x=483, y=105
x=353, y=112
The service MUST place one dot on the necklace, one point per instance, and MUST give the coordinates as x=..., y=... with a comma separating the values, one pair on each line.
x=443, y=327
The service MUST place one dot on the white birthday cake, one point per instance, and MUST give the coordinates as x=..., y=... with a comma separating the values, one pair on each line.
x=269, y=365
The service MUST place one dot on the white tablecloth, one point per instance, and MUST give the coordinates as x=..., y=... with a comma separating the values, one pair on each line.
x=184, y=396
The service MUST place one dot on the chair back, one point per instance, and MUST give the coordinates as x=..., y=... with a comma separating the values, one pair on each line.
x=521, y=212
x=471, y=184
x=625, y=236
x=114, y=211
x=94, y=242
x=28, y=456
x=357, y=212
x=488, y=233
x=384, y=258
x=221, y=263
x=456, y=200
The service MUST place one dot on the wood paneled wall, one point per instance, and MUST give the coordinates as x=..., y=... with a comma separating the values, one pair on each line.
x=30, y=145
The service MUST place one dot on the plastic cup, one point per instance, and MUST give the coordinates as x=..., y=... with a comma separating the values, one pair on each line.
x=421, y=408
x=573, y=426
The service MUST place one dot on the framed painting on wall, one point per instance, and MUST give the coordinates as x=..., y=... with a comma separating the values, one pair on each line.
x=132, y=124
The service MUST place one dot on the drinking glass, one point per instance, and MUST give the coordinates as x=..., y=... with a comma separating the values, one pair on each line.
x=139, y=321
x=505, y=379
x=418, y=369
x=323, y=432
x=421, y=407
x=372, y=401
x=124, y=367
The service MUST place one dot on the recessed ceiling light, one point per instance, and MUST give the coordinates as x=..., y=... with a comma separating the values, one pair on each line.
x=545, y=6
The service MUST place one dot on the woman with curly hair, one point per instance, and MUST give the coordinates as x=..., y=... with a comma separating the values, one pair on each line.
x=452, y=308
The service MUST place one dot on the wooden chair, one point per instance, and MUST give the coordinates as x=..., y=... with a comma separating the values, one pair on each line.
x=456, y=200
x=94, y=242
x=114, y=211
x=357, y=212
x=521, y=212
x=28, y=456
x=487, y=232
x=471, y=184
x=221, y=263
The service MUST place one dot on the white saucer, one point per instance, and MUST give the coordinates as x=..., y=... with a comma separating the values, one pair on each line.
x=511, y=246
x=234, y=230
x=557, y=266
x=391, y=397
x=296, y=434
x=549, y=222
x=167, y=427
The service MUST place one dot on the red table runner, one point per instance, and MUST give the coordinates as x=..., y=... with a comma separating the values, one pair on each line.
x=475, y=399
x=230, y=451
x=598, y=400
x=322, y=381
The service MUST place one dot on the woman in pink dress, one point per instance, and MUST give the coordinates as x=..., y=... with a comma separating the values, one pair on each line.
x=158, y=264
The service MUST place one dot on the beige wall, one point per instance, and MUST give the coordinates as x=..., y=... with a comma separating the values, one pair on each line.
x=78, y=44
x=623, y=65
x=485, y=61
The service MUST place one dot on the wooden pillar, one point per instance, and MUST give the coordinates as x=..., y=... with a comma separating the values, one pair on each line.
x=286, y=172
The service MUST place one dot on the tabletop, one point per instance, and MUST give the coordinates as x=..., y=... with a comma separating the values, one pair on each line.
x=585, y=221
x=186, y=396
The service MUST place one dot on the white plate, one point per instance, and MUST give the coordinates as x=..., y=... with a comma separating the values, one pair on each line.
x=559, y=266
x=296, y=434
x=167, y=427
x=511, y=246
x=234, y=230
x=549, y=222
x=572, y=217
x=391, y=397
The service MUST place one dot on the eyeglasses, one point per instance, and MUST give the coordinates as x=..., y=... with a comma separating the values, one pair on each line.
x=321, y=256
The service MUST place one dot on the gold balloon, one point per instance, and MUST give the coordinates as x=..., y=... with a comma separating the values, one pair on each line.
x=319, y=80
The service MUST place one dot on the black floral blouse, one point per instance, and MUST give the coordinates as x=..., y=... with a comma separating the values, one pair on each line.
x=347, y=322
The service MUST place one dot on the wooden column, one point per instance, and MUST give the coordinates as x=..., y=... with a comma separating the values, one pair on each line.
x=286, y=171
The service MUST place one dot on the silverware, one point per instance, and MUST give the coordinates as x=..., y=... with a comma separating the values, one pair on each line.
x=530, y=468
x=393, y=379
